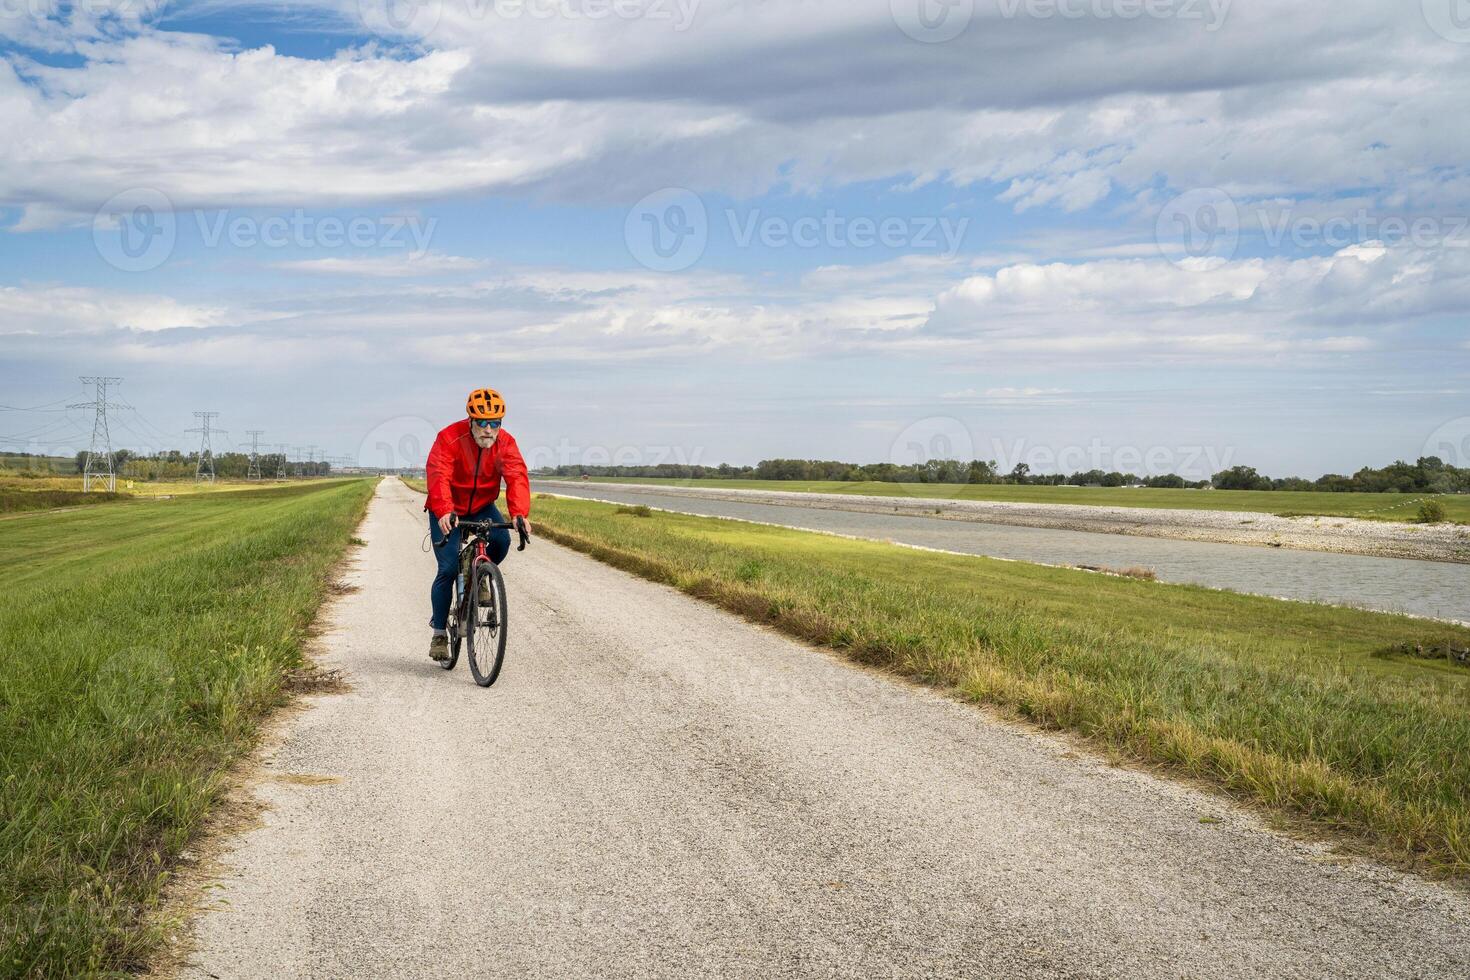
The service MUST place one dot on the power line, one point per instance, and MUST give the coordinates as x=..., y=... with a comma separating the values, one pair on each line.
x=48, y=430
x=284, y=450
x=166, y=435
x=99, y=465
x=254, y=471
x=206, y=454
x=35, y=408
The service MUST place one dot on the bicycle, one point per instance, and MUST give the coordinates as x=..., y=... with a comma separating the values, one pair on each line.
x=480, y=625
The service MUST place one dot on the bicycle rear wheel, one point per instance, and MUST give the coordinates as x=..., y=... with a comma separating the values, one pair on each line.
x=485, y=624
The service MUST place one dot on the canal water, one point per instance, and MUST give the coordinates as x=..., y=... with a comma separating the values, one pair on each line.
x=1423, y=588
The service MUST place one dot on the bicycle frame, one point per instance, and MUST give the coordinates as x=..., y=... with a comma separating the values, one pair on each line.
x=466, y=618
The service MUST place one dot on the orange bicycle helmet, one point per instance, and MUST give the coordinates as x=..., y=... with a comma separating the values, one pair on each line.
x=485, y=403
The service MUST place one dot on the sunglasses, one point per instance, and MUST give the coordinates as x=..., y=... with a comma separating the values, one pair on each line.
x=491, y=424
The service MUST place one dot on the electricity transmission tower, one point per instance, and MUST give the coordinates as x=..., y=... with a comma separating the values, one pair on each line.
x=254, y=471
x=99, y=464
x=311, y=457
x=206, y=453
x=283, y=450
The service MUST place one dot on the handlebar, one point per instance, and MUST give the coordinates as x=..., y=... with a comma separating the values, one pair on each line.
x=518, y=525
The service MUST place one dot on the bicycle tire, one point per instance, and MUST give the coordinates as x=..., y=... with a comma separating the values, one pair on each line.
x=486, y=643
x=455, y=639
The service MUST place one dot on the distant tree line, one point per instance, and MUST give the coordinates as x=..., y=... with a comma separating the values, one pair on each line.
x=175, y=464
x=1428, y=475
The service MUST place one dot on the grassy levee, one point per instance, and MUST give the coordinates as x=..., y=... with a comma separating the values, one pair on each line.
x=140, y=645
x=18, y=501
x=421, y=486
x=129, y=488
x=1300, y=708
x=1288, y=503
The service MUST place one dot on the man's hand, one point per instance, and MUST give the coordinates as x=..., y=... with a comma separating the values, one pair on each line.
x=525, y=523
x=446, y=524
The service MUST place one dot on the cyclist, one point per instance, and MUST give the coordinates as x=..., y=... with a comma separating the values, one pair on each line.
x=466, y=466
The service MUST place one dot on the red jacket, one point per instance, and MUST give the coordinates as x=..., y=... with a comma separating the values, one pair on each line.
x=463, y=478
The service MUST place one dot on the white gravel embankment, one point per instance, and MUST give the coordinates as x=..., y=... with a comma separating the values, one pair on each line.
x=1344, y=535
x=656, y=788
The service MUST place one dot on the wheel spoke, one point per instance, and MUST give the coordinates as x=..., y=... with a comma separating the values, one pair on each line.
x=486, y=626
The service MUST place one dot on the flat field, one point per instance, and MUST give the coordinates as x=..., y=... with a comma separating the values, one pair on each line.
x=140, y=645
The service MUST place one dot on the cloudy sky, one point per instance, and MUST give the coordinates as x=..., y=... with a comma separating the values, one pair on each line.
x=1163, y=234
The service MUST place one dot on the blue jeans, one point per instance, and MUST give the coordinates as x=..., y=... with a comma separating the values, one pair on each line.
x=446, y=549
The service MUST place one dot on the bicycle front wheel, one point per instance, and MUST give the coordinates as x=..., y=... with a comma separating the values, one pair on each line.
x=485, y=624
x=456, y=640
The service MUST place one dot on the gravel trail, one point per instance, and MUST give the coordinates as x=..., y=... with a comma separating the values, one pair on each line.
x=656, y=788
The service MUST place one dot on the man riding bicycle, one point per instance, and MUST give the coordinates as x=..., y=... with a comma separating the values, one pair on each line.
x=466, y=466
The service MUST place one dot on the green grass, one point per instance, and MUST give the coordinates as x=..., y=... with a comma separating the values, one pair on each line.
x=140, y=645
x=1374, y=506
x=1318, y=712
x=414, y=484
x=152, y=488
x=17, y=501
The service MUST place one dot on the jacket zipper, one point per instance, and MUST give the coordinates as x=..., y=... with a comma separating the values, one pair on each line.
x=476, y=485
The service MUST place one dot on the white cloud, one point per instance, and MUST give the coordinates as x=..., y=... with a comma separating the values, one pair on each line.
x=1004, y=394
x=49, y=310
x=393, y=267
x=1056, y=113
x=1268, y=311
x=1354, y=300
